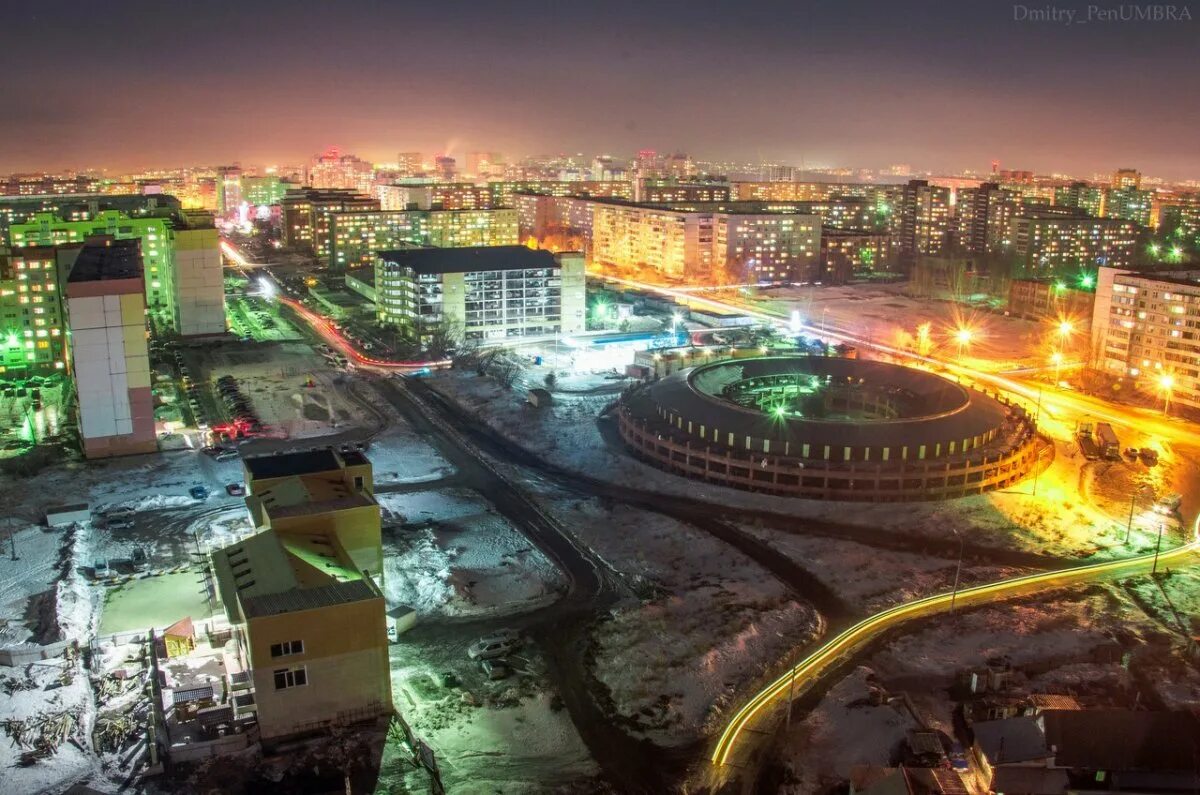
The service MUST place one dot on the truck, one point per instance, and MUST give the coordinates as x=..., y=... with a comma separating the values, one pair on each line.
x=1107, y=441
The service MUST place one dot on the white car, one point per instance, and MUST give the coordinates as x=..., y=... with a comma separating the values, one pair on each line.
x=495, y=645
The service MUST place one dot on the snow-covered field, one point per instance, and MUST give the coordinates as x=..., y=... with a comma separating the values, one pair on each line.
x=449, y=552
x=1057, y=521
x=710, y=621
x=845, y=730
x=871, y=579
x=503, y=736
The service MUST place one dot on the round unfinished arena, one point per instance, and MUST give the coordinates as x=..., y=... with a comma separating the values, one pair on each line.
x=828, y=428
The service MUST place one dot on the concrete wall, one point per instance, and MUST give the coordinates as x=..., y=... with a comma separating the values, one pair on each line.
x=112, y=368
x=574, y=291
x=198, y=282
x=345, y=660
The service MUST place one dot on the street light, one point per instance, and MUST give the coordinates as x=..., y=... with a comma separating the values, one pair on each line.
x=957, y=569
x=1157, y=547
x=963, y=337
x=1166, y=382
x=1132, y=502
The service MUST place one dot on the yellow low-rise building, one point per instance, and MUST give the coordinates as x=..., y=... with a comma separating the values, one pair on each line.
x=303, y=596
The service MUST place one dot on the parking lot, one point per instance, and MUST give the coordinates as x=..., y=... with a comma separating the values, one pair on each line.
x=31, y=412
x=253, y=318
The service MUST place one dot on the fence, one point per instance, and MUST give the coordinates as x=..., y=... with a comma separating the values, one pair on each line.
x=13, y=656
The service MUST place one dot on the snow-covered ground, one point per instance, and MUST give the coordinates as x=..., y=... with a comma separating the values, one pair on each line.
x=449, y=552
x=871, y=579
x=846, y=729
x=1058, y=520
x=710, y=621
x=489, y=736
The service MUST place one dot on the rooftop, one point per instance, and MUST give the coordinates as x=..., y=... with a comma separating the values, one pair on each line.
x=1011, y=740
x=108, y=260
x=281, y=465
x=469, y=259
x=309, y=598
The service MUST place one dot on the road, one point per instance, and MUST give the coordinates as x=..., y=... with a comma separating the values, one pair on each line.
x=809, y=670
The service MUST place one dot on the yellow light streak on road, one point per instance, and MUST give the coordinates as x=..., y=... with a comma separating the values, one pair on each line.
x=868, y=629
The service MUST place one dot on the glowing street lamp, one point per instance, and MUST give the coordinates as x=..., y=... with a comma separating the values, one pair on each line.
x=1065, y=328
x=1166, y=383
x=963, y=337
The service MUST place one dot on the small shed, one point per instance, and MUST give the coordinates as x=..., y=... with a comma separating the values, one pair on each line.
x=401, y=619
x=538, y=397
x=179, y=639
x=66, y=515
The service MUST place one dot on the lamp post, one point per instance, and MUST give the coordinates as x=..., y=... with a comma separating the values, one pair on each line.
x=957, y=570
x=1132, y=502
x=1166, y=382
x=1157, y=547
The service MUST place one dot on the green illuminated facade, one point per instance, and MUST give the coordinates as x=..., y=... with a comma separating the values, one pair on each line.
x=32, y=323
x=155, y=233
x=265, y=190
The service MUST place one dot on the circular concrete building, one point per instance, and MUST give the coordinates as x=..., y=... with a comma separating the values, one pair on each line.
x=829, y=428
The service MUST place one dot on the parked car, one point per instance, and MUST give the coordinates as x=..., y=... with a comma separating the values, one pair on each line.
x=198, y=492
x=119, y=512
x=495, y=669
x=226, y=455
x=497, y=644
x=118, y=524
x=1149, y=456
x=235, y=490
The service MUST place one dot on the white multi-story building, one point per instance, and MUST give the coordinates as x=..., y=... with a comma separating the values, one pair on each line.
x=492, y=292
x=1146, y=326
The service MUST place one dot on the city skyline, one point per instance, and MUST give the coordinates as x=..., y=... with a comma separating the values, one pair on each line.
x=865, y=85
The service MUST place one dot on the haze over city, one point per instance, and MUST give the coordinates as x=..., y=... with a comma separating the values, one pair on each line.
x=944, y=86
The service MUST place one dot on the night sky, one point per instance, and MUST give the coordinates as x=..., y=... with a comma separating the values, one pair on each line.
x=943, y=86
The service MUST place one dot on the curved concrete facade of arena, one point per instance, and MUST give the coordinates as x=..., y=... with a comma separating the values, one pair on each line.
x=861, y=481
x=957, y=419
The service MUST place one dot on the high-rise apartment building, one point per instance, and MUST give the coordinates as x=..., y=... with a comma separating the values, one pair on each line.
x=665, y=191
x=81, y=207
x=266, y=190
x=410, y=164
x=32, y=317
x=434, y=196
x=495, y=292
x=355, y=237
x=445, y=168
x=332, y=170
x=925, y=218
x=303, y=596
x=182, y=244
x=1082, y=196
x=1129, y=204
x=229, y=193
x=1127, y=179
x=1146, y=326
x=767, y=247
x=485, y=164
x=973, y=209
x=154, y=232
x=703, y=241
x=110, y=360
x=1050, y=240
x=847, y=254
x=305, y=211
x=197, y=280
